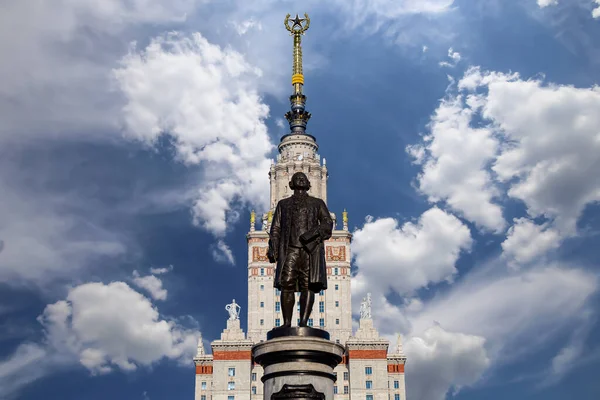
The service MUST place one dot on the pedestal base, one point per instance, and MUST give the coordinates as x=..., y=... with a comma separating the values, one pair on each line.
x=298, y=361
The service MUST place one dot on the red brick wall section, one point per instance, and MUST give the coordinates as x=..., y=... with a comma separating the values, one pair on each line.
x=396, y=368
x=232, y=355
x=368, y=354
x=204, y=369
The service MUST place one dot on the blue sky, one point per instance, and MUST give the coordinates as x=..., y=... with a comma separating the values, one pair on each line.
x=461, y=136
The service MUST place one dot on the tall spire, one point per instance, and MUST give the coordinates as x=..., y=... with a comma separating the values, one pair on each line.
x=399, y=348
x=298, y=116
x=200, y=349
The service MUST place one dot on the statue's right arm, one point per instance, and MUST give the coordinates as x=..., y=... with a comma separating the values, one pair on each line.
x=274, y=234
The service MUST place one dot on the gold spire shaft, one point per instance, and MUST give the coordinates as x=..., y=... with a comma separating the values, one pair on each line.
x=297, y=29
x=297, y=116
x=297, y=75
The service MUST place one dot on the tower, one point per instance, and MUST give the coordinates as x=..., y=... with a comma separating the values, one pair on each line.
x=298, y=151
x=367, y=371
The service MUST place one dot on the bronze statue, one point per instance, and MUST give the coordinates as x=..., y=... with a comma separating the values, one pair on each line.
x=300, y=226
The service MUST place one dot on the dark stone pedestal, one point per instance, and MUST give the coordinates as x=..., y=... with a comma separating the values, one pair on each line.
x=298, y=363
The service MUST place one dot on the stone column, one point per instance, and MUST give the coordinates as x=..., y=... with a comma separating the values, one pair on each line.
x=293, y=359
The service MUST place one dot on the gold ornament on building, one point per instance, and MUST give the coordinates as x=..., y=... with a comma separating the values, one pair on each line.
x=297, y=27
x=345, y=216
x=252, y=217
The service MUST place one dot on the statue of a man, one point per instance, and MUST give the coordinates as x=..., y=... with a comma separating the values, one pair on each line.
x=233, y=309
x=300, y=226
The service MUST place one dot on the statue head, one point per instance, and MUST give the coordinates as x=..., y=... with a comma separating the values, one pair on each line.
x=299, y=181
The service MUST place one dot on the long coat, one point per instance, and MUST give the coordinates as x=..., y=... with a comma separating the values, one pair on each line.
x=320, y=226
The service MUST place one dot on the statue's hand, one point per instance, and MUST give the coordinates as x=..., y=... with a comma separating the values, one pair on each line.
x=272, y=256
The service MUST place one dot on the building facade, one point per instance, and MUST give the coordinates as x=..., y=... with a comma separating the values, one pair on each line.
x=368, y=371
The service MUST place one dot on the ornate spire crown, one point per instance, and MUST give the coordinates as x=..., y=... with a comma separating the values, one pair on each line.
x=298, y=116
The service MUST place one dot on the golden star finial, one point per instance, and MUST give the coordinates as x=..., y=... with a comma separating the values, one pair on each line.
x=298, y=22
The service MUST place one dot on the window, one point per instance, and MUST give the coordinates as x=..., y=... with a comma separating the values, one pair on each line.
x=262, y=304
x=277, y=306
x=253, y=389
x=298, y=307
x=277, y=292
x=337, y=321
x=277, y=322
x=203, y=386
x=262, y=272
x=233, y=398
x=230, y=385
x=337, y=303
x=232, y=371
x=262, y=287
x=310, y=322
x=335, y=374
x=254, y=376
x=345, y=389
x=396, y=396
x=262, y=322
x=203, y=397
x=321, y=322
x=335, y=390
x=369, y=384
x=337, y=287
x=335, y=271
x=337, y=341
x=396, y=385
x=368, y=370
x=321, y=293
x=346, y=376
x=369, y=397
x=321, y=306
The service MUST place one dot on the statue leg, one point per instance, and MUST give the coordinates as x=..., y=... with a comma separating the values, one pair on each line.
x=287, y=307
x=288, y=285
x=307, y=297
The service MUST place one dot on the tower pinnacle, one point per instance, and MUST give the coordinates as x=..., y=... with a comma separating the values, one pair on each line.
x=297, y=116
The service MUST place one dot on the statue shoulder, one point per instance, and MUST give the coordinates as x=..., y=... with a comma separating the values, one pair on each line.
x=317, y=201
x=284, y=202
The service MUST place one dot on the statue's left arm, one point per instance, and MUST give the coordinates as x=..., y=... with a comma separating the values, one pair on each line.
x=321, y=232
x=325, y=222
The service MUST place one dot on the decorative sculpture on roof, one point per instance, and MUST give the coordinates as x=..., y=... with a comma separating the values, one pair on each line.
x=234, y=310
x=365, y=307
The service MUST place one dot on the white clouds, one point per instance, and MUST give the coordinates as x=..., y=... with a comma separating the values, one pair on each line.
x=113, y=326
x=525, y=241
x=202, y=96
x=454, y=159
x=439, y=360
x=595, y=10
x=552, y=152
x=221, y=252
x=410, y=257
x=56, y=74
x=243, y=27
x=541, y=141
x=489, y=319
x=160, y=271
x=454, y=57
x=42, y=239
x=508, y=309
x=25, y=365
x=151, y=284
